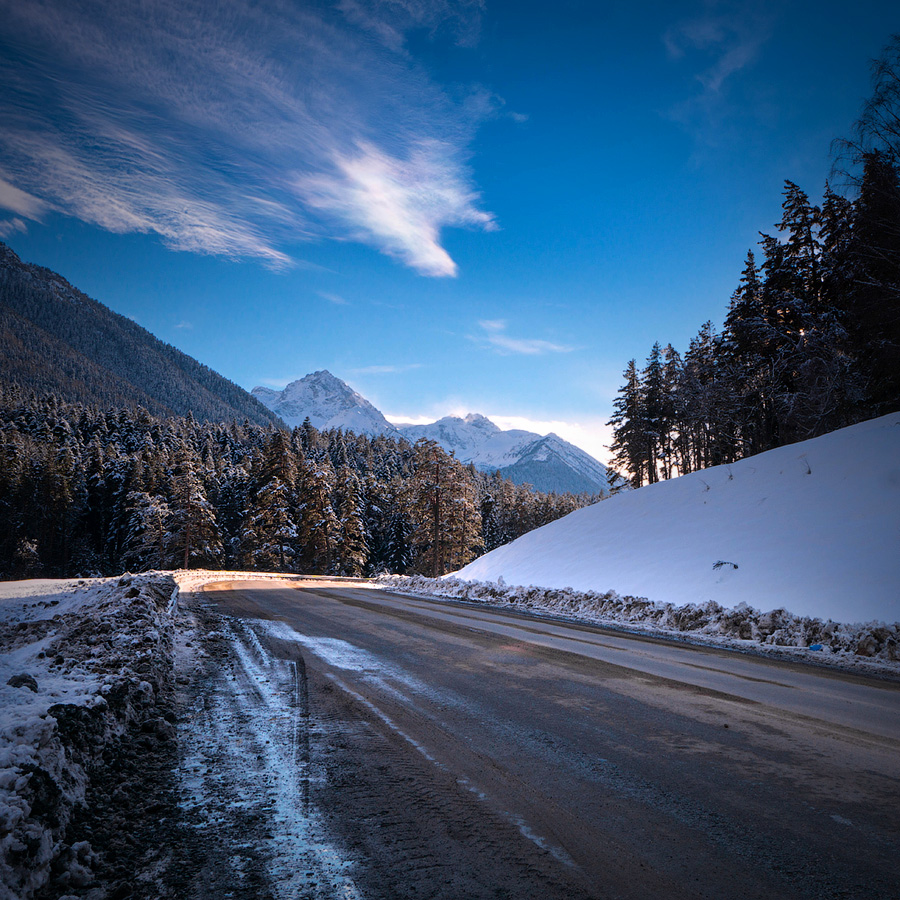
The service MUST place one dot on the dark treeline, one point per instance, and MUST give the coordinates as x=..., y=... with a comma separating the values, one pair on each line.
x=811, y=340
x=90, y=491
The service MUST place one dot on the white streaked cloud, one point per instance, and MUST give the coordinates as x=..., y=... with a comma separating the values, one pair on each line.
x=19, y=201
x=715, y=48
x=238, y=128
x=461, y=18
x=12, y=226
x=398, y=205
x=493, y=335
x=727, y=39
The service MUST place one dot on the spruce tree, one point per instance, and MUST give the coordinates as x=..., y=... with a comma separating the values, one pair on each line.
x=629, y=445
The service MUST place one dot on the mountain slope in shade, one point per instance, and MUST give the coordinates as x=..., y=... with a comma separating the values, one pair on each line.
x=813, y=527
x=55, y=339
x=327, y=402
x=552, y=461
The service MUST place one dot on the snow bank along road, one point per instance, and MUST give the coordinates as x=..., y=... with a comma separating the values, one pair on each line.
x=341, y=742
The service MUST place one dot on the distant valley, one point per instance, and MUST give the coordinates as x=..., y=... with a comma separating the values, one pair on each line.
x=59, y=341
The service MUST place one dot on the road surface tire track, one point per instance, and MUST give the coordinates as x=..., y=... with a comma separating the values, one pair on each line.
x=415, y=830
x=403, y=827
x=244, y=756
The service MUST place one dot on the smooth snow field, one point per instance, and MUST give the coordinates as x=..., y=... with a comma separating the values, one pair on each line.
x=813, y=527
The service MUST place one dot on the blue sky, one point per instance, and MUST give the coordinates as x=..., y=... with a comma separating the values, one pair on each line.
x=454, y=205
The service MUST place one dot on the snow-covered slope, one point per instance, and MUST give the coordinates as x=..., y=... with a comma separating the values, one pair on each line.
x=813, y=527
x=328, y=402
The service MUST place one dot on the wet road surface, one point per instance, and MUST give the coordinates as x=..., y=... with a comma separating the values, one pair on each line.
x=401, y=747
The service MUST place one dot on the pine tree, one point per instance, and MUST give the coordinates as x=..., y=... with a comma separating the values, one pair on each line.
x=655, y=403
x=352, y=542
x=629, y=446
x=194, y=529
x=147, y=543
x=318, y=524
x=872, y=302
x=269, y=536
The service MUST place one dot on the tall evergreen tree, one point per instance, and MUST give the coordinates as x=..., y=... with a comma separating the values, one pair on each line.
x=629, y=445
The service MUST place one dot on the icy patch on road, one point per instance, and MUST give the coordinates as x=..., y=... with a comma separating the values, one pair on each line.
x=347, y=657
x=245, y=773
x=334, y=651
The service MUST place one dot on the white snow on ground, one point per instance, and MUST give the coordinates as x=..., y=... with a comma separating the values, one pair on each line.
x=813, y=527
x=33, y=603
x=30, y=683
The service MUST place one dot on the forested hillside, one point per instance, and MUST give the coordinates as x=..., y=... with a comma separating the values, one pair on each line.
x=84, y=490
x=57, y=340
x=811, y=340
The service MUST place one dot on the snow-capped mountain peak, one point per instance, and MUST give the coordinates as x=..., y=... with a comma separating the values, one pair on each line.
x=476, y=420
x=327, y=402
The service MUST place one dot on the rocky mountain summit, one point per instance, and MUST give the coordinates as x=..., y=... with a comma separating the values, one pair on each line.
x=327, y=402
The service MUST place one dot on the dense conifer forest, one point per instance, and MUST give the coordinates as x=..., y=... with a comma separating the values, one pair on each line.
x=91, y=491
x=811, y=339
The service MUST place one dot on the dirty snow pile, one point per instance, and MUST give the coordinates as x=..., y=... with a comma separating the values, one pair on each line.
x=80, y=662
x=812, y=527
x=874, y=646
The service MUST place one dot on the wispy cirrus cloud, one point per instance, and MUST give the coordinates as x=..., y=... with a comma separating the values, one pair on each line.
x=238, y=128
x=18, y=201
x=386, y=369
x=493, y=334
x=336, y=299
x=717, y=44
x=22, y=205
x=11, y=226
x=728, y=40
x=399, y=205
x=461, y=18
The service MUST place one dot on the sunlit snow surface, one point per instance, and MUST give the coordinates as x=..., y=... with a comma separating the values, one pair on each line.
x=813, y=527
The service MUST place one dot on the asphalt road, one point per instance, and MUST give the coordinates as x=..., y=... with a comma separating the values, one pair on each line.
x=459, y=752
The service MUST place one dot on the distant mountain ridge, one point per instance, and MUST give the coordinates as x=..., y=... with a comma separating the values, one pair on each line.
x=547, y=462
x=55, y=339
